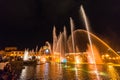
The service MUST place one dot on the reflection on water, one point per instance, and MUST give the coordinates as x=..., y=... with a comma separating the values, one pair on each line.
x=46, y=72
x=113, y=74
x=28, y=72
x=56, y=71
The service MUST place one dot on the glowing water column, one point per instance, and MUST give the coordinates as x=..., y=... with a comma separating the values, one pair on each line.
x=25, y=57
x=72, y=29
x=89, y=38
x=54, y=42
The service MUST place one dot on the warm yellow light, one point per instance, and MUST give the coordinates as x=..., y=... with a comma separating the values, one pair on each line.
x=110, y=66
x=113, y=58
x=113, y=73
x=107, y=55
x=102, y=56
x=117, y=58
x=43, y=59
x=77, y=60
x=68, y=57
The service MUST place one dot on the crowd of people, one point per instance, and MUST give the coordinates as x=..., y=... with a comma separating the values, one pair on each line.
x=7, y=73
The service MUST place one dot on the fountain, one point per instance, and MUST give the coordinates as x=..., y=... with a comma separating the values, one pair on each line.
x=82, y=46
x=83, y=49
x=65, y=39
x=54, y=40
x=97, y=58
x=88, y=33
x=90, y=41
x=102, y=51
x=25, y=57
x=85, y=56
x=59, y=45
x=72, y=34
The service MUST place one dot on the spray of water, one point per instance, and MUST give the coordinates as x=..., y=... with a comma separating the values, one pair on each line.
x=73, y=45
x=89, y=38
x=65, y=39
x=60, y=46
x=54, y=39
x=72, y=29
x=54, y=42
x=25, y=58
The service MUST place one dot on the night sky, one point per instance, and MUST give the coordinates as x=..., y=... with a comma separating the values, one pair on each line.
x=27, y=23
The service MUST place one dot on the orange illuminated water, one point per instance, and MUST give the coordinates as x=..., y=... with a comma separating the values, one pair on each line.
x=89, y=38
x=51, y=71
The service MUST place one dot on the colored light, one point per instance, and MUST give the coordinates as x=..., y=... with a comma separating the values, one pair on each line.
x=47, y=51
x=64, y=60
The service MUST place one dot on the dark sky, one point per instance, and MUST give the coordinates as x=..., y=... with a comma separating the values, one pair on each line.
x=27, y=23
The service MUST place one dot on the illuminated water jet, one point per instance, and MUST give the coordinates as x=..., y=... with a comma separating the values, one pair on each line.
x=90, y=41
x=65, y=39
x=54, y=40
x=72, y=29
x=88, y=31
x=25, y=57
x=100, y=45
x=82, y=43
